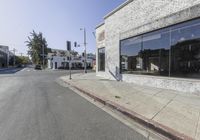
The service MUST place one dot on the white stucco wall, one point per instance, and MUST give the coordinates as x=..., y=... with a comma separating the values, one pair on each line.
x=57, y=59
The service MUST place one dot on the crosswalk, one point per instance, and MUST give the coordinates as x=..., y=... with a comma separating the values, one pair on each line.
x=33, y=70
x=27, y=70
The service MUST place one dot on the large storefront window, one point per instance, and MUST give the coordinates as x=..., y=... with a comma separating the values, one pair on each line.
x=172, y=51
x=101, y=59
x=155, y=53
x=130, y=55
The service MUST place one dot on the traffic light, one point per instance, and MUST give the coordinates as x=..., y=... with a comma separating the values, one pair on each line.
x=69, y=45
x=83, y=54
x=75, y=44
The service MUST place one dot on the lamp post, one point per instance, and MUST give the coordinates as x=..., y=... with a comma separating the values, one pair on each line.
x=69, y=50
x=51, y=65
x=70, y=65
x=43, y=56
x=85, y=55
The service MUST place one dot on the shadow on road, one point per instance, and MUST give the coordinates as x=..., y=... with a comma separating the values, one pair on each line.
x=10, y=71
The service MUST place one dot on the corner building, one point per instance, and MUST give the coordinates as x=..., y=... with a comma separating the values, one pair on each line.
x=153, y=43
x=4, y=56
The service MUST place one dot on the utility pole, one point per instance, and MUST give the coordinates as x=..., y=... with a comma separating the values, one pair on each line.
x=85, y=52
x=28, y=58
x=43, y=56
x=70, y=58
x=70, y=65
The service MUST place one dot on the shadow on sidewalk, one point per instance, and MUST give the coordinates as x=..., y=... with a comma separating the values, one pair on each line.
x=117, y=76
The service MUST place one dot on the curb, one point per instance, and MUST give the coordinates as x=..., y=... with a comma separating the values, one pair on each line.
x=153, y=125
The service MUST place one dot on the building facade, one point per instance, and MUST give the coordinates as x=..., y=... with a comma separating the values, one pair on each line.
x=152, y=43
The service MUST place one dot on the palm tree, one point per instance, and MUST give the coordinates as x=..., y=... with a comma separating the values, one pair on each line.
x=35, y=43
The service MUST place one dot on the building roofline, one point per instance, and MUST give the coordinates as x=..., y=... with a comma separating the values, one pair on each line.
x=114, y=11
x=99, y=25
x=4, y=48
x=118, y=8
x=4, y=45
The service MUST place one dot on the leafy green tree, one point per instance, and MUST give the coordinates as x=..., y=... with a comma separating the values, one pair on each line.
x=36, y=42
x=23, y=60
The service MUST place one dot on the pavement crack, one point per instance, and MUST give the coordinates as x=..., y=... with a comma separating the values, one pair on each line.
x=162, y=108
x=197, y=125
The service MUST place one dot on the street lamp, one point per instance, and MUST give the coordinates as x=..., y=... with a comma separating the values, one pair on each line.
x=69, y=50
x=70, y=56
x=51, y=65
x=85, y=61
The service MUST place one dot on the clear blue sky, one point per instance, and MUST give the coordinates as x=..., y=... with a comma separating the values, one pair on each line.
x=58, y=20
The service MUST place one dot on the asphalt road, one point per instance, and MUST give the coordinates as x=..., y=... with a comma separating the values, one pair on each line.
x=34, y=107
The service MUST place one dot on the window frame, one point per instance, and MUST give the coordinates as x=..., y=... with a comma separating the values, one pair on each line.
x=102, y=48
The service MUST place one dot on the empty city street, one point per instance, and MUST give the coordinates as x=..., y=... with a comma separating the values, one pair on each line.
x=33, y=106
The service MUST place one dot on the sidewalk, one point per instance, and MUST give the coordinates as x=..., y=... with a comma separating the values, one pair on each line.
x=173, y=114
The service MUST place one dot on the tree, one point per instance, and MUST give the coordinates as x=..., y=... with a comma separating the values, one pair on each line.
x=23, y=60
x=36, y=42
x=62, y=53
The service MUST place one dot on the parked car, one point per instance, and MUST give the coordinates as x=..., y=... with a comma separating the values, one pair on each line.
x=38, y=67
x=19, y=66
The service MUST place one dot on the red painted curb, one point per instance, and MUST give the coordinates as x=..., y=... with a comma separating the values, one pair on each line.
x=153, y=125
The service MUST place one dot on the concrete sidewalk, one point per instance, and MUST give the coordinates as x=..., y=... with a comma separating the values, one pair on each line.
x=173, y=114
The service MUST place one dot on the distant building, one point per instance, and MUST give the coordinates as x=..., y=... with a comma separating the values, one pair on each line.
x=92, y=60
x=4, y=56
x=60, y=59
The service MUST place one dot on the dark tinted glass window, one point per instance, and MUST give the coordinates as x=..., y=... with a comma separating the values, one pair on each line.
x=172, y=51
x=130, y=55
x=101, y=59
x=185, y=52
x=155, y=53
